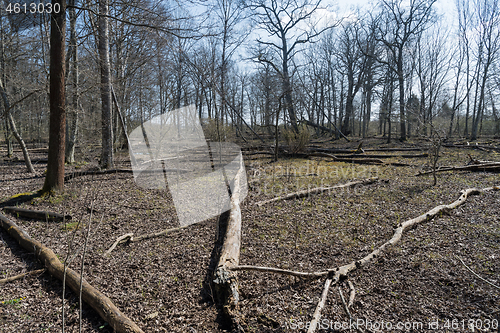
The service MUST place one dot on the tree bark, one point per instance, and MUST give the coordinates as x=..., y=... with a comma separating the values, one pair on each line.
x=72, y=126
x=54, y=181
x=225, y=280
x=106, y=116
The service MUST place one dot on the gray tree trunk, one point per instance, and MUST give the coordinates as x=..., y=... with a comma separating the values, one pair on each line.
x=106, y=117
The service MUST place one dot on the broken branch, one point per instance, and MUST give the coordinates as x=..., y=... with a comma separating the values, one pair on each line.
x=317, y=190
x=20, y=276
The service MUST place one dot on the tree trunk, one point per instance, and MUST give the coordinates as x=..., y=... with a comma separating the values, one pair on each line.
x=72, y=125
x=54, y=181
x=12, y=126
x=106, y=116
x=402, y=116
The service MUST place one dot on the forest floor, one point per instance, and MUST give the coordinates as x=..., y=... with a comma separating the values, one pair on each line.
x=162, y=283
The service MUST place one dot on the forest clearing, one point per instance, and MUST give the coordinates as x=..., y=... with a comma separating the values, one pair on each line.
x=164, y=284
x=249, y=166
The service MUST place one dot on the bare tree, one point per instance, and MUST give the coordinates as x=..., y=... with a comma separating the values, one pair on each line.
x=107, y=120
x=402, y=21
x=488, y=30
x=283, y=20
x=72, y=125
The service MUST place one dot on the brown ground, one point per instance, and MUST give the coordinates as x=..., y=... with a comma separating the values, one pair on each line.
x=162, y=283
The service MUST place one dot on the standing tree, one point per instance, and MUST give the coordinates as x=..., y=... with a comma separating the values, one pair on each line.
x=285, y=22
x=402, y=21
x=106, y=116
x=54, y=181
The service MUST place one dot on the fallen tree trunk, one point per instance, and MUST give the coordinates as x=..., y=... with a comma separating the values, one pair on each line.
x=225, y=280
x=98, y=301
x=491, y=167
x=37, y=214
x=111, y=171
x=317, y=190
x=349, y=160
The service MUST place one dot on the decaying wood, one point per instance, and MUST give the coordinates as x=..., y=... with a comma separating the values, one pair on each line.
x=472, y=146
x=225, y=280
x=317, y=190
x=37, y=214
x=98, y=301
x=349, y=160
x=112, y=171
x=490, y=167
x=20, y=276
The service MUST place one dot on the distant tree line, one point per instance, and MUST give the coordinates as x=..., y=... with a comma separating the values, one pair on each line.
x=393, y=70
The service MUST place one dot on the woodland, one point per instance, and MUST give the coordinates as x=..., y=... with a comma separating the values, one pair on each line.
x=365, y=193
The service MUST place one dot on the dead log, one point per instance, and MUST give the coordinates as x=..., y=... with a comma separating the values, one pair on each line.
x=486, y=167
x=37, y=214
x=20, y=276
x=98, y=301
x=225, y=280
x=317, y=190
x=349, y=160
x=112, y=171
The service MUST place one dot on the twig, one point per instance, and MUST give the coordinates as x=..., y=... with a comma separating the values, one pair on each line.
x=352, y=294
x=20, y=276
x=320, y=306
x=346, y=307
x=118, y=240
x=470, y=270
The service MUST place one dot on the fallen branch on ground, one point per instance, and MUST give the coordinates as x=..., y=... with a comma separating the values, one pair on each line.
x=349, y=160
x=112, y=171
x=97, y=300
x=20, y=276
x=130, y=237
x=491, y=167
x=37, y=214
x=317, y=190
x=476, y=275
x=118, y=240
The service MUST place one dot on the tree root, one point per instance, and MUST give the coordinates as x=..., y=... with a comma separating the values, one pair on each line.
x=317, y=190
x=97, y=300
